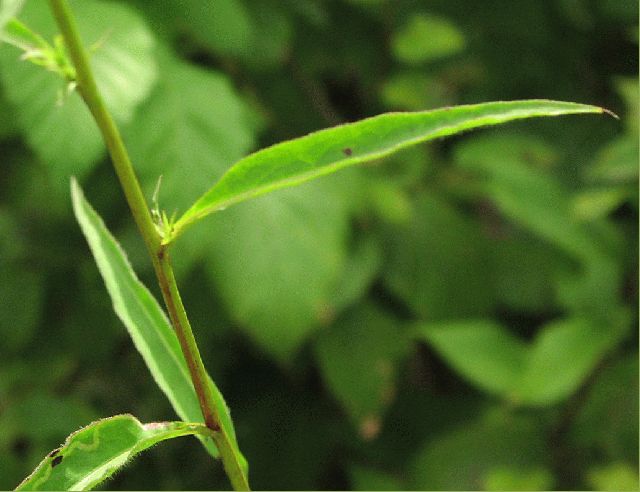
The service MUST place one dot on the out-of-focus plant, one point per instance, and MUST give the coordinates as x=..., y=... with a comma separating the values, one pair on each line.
x=121, y=71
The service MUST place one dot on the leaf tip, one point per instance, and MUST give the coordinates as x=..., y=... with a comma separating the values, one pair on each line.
x=610, y=113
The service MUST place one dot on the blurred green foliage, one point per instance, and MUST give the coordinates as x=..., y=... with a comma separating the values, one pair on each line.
x=460, y=316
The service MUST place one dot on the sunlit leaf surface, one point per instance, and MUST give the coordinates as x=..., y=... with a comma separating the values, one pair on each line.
x=97, y=451
x=144, y=319
x=326, y=151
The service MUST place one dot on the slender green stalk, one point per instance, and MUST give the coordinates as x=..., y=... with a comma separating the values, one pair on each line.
x=88, y=89
x=178, y=317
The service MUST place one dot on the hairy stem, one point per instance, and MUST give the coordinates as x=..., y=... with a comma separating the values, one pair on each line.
x=88, y=89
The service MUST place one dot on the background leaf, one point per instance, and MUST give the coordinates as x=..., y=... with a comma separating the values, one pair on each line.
x=283, y=237
x=619, y=476
x=470, y=455
x=603, y=425
x=9, y=9
x=427, y=37
x=358, y=358
x=449, y=234
x=482, y=351
x=528, y=197
x=569, y=350
x=549, y=369
x=205, y=127
x=58, y=127
x=437, y=263
x=257, y=32
x=193, y=126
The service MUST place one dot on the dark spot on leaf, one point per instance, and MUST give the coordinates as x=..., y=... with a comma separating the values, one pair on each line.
x=56, y=461
x=53, y=453
x=347, y=151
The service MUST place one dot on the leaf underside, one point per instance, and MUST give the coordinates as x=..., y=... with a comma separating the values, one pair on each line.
x=146, y=322
x=95, y=452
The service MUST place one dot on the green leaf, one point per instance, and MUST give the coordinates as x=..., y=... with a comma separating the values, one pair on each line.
x=358, y=358
x=598, y=203
x=607, y=422
x=256, y=32
x=616, y=162
x=627, y=89
x=562, y=356
x=7, y=125
x=8, y=10
x=531, y=198
x=543, y=372
x=144, y=319
x=593, y=290
x=97, y=451
x=20, y=36
x=276, y=261
x=522, y=269
x=463, y=459
x=427, y=37
x=371, y=479
x=482, y=351
x=513, y=172
x=358, y=274
x=518, y=478
x=22, y=289
x=205, y=127
x=613, y=476
x=21, y=302
x=49, y=371
x=388, y=200
x=272, y=35
x=224, y=25
x=437, y=263
x=42, y=417
x=57, y=125
x=326, y=151
x=414, y=91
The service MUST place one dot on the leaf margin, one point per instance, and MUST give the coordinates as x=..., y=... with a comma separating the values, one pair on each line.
x=84, y=214
x=506, y=111
x=158, y=431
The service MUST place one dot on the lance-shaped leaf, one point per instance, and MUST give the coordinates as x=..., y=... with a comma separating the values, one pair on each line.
x=97, y=451
x=147, y=324
x=323, y=152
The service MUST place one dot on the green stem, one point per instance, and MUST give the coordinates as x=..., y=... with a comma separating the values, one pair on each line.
x=88, y=89
x=198, y=373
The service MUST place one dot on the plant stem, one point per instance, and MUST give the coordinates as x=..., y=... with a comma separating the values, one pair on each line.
x=88, y=89
x=198, y=373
